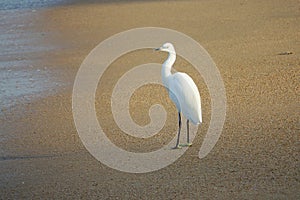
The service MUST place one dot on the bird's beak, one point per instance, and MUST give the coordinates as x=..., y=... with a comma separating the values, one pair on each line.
x=157, y=49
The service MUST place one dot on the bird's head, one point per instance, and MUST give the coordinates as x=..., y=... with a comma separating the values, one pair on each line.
x=167, y=47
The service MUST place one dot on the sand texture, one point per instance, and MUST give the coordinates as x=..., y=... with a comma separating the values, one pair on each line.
x=255, y=45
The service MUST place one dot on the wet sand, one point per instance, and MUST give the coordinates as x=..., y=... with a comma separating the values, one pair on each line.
x=257, y=155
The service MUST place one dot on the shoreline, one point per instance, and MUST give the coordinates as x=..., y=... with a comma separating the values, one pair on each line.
x=257, y=155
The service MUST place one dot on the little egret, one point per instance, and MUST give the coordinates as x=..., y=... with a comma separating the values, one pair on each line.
x=182, y=91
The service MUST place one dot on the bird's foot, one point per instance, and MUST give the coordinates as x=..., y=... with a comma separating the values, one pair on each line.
x=177, y=147
x=186, y=145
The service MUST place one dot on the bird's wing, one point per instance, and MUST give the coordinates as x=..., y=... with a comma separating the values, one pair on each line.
x=183, y=91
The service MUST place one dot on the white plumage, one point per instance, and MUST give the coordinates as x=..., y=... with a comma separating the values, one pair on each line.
x=182, y=91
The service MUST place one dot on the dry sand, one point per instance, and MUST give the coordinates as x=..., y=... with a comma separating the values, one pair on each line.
x=257, y=155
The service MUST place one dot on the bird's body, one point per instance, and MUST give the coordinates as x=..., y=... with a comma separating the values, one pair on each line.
x=181, y=85
x=182, y=91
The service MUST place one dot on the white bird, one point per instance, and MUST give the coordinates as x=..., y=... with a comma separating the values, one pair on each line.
x=182, y=91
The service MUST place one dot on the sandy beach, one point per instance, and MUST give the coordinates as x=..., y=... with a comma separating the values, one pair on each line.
x=256, y=47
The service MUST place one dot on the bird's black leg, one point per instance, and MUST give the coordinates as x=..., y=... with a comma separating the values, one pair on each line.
x=188, y=131
x=179, y=123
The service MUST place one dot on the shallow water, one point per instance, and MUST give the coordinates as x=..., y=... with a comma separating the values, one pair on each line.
x=29, y=4
x=21, y=78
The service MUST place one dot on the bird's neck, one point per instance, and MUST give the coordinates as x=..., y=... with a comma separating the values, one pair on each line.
x=166, y=67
